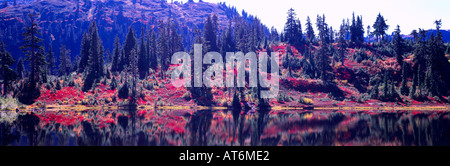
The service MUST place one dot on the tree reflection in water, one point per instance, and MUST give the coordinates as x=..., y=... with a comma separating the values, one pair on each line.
x=224, y=127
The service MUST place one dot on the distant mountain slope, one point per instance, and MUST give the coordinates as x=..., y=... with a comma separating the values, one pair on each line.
x=445, y=34
x=64, y=21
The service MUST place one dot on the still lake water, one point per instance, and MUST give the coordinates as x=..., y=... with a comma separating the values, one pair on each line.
x=225, y=128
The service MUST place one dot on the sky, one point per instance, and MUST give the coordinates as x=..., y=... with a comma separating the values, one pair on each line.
x=409, y=14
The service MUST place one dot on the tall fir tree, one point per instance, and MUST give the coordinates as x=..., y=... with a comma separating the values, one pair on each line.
x=96, y=63
x=7, y=74
x=210, y=36
x=357, y=30
x=64, y=61
x=50, y=60
x=437, y=80
x=153, y=49
x=163, y=46
x=142, y=57
x=404, y=87
x=380, y=27
x=292, y=29
x=310, y=36
x=342, y=45
x=398, y=45
x=116, y=55
x=130, y=44
x=85, y=48
x=34, y=52
x=20, y=69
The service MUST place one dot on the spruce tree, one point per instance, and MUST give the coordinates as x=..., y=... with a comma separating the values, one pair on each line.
x=85, y=48
x=210, y=35
x=163, y=46
x=34, y=52
x=292, y=28
x=50, y=60
x=398, y=45
x=341, y=42
x=20, y=69
x=142, y=57
x=310, y=36
x=8, y=74
x=357, y=30
x=95, y=64
x=380, y=27
x=116, y=55
x=403, y=87
x=353, y=30
x=130, y=44
x=153, y=49
x=437, y=64
x=63, y=62
x=134, y=70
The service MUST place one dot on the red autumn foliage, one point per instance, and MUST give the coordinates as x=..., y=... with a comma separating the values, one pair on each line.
x=303, y=85
x=64, y=94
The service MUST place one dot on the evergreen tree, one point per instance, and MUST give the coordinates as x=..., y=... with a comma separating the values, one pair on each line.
x=116, y=55
x=360, y=30
x=175, y=40
x=398, y=45
x=229, y=44
x=20, y=69
x=419, y=62
x=403, y=87
x=437, y=65
x=369, y=36
x=415, y=35
x=322, y=26
x=8, y=74
x=134, y=70
x=380, y=27
x=130, y=44
x=353, y=30
x=85, y=48
x=163, y=46
x=50, y=60
x=384, y=92
x=123, y=92
x=95, y=66
x=274, y=36
x=113, y=84
x=341, y=42
x=292, y=28
x=310, y=36
x=142, y=57
x=34, y=52
x=209, y=35
x=357, y=30
x=412, y=89
x=64, y=61
x=323, y=62
x=153, y=49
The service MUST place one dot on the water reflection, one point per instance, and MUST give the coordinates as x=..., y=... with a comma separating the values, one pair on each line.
x=224, y=127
